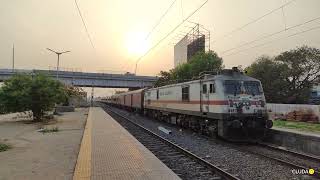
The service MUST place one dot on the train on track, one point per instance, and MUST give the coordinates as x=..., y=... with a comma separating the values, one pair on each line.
x=229, y=104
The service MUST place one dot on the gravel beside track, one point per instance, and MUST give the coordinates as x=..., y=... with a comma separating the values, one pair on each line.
x=238, y=162
x=288, y=157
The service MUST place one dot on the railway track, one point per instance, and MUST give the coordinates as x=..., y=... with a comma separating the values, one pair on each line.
x=302, y=155
x=293, y=159
x=290, y=158
x=298, y=160
x=183, y=162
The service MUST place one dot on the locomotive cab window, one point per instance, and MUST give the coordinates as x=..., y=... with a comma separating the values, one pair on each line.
x=185, y=93
x=212, y=88
x=204, y=88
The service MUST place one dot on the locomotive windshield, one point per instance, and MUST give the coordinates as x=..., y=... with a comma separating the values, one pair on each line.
x=239, y=87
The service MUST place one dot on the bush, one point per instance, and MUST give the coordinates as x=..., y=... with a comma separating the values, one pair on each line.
x=4, y=147
x=37, y=93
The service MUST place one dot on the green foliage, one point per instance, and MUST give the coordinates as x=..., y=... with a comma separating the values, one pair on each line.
x=72, y=91
x=2, y=107
x=202, y=61
x=4, y=147
x=37, y=93
x=301, y=72
x=288, y=77
x=303, y=126
x=46, y=130
x=271, y=75
x=14, y=94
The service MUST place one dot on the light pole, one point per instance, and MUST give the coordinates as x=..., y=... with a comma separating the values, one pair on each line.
x=13, y=58
x=58, y=53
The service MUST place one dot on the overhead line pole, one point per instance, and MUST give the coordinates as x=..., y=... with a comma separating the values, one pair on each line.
x=58, y=54
x=13, y=58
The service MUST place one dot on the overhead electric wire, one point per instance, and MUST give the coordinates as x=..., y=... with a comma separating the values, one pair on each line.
x=160, y=19
x=168, y=34
x=181, y=9
x=253, y=21
x=84, y=24
x=157, y=24
x=270, y=35
x=259, y=45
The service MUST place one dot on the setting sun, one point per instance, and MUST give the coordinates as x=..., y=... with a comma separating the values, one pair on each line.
x=136, y=43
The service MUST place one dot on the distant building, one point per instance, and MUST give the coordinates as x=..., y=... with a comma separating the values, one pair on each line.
x=315, y=95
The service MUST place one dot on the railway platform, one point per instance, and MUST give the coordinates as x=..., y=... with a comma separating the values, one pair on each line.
x=306, y=142
x=108, y=151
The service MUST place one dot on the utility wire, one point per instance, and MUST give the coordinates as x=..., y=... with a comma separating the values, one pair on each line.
x=168, y=34
x=270, y=35
x=84, y=24
x=259, y=45
x=253, y=21
x=160, y=19
x=156, y=24
x=181, y=6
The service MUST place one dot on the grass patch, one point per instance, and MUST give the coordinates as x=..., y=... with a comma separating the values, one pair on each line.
x=303, y=126
x=4, y=147
x=46, y=130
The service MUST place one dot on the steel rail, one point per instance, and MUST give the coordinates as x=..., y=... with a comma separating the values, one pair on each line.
x=303, y=155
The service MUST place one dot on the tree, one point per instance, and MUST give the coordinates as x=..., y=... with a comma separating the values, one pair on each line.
x=288, y=77
x=37, y=93
x=302, y=72
x=202, y=61
x=165, y=78
x=73, y=91
x=271, y=75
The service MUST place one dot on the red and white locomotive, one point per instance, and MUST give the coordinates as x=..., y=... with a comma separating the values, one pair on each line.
x=229, y=104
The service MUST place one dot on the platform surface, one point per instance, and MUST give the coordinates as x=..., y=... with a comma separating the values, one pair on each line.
x=108, y=151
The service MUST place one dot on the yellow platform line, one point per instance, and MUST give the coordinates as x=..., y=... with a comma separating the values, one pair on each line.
x=83, y=166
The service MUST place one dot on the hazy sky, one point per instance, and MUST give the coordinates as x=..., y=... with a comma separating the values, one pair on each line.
x=114, y=25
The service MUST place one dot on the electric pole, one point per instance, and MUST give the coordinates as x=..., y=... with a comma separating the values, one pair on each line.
x=13, y=58
x=58, y=53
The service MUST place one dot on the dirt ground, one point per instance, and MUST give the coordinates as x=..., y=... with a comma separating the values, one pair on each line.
x=38, y=156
